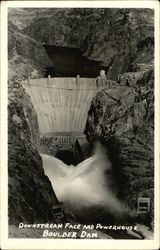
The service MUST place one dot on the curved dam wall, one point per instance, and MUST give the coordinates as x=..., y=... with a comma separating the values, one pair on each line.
x=61, y=104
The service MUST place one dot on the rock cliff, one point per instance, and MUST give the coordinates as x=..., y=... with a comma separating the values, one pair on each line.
x=123, y=118
x=31, y=196
x=24, y=54
x=124, y=122
x=118, y=38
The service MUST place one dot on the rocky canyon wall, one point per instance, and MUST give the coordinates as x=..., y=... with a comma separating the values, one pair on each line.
x=123, y=41
x=125, y=125
x=31, y=196
x=118, y=38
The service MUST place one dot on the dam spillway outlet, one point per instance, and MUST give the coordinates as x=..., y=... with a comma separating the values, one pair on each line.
x=66, y=156
x=84, y=189
x=71, y=148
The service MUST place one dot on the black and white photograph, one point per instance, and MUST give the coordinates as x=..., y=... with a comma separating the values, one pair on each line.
x=81, y=123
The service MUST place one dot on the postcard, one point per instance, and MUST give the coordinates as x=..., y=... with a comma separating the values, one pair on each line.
x=80, y=124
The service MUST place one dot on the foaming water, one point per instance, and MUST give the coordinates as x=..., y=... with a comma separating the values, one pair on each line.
x=85, y=185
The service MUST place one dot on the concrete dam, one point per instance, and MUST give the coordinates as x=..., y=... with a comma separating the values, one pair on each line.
x=62, y=105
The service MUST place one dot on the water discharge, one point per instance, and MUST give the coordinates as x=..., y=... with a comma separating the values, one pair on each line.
x=85, y=185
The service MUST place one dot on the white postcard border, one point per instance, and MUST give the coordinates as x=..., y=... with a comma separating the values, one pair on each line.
x=7, y=243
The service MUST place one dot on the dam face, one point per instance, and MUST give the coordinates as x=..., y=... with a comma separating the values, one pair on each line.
x=61, y=104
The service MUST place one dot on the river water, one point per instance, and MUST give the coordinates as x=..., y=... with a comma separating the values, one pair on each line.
x=71, y=62
x=84, y=186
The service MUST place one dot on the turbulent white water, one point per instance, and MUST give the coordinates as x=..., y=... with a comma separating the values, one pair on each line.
x=84, y=185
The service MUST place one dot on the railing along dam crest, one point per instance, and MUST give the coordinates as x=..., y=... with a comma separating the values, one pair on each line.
x=62, y=103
